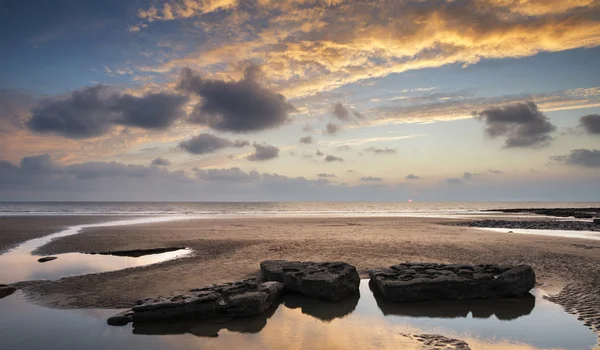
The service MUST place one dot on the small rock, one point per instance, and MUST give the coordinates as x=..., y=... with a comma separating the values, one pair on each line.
x=47, y=258
x=121, y=319
x=6, y=290
x=325, y=280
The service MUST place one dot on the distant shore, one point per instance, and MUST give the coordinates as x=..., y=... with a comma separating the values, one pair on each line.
x=231, y=249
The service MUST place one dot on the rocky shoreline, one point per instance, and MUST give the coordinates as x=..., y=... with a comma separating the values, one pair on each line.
x=534, y=225
x=578, y=213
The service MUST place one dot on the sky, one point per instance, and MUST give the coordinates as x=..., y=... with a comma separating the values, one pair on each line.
x=300, y=100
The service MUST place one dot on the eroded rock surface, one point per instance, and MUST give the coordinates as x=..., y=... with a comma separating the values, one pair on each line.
x=438, y=342
x=229, y=300
x=325, y=280
x=6, y=290
x=411, y=282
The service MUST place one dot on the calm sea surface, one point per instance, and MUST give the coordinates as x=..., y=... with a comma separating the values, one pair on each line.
x=238, y=209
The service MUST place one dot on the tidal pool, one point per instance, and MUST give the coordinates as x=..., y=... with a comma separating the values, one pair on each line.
x=297, y=322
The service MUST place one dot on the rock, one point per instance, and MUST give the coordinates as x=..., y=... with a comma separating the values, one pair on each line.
x=136, y=253
x=412, y=282
x=533, y=225
x=436, y=341
x=597, y=221
x=229, y=300
x=6, y=290
x=47, y=258
x=326, y=280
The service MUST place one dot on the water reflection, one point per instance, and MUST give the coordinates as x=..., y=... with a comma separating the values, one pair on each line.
x=503, y=309
x=321, y=309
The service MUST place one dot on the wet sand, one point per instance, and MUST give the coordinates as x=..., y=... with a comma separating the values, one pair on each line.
x=231, y=249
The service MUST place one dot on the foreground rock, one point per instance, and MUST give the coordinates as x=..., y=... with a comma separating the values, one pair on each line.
x=229, y=300
x=6, y=290
x=136, y=253
x=436, y=341
x=412, y=282
x=47, y=258
x=597, y=221
x=326, y=280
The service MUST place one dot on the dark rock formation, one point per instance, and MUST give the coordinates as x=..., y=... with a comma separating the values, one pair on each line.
x=327, y=280
x=597, y=221
x=47, y=258
x=6, y=290
x=413, y=282
x=136, y=253
x=533, y=225
x=579, y=213
x=504, y=309
x=229, y=300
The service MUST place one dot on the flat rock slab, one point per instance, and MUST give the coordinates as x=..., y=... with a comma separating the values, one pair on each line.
x=229, y=300
x=412, y=282
x=47, y=258
x=136, y=253
x=325, y=280
x=6, y=290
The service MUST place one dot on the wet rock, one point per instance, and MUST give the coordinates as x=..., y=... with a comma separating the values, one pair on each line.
x=325, y=280
x=597, y=221
x=136, y=253
x=6, y=290
x=412, y=282
x=121, y=319
x=579, y=213
x=229, y=300
x=436, y=341
x=47, y=258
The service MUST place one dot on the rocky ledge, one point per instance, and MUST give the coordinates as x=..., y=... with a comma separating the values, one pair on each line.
x=412, y=282
x=136, y=253
x=534, y=225
x=229, y=300
x=579, y=213
x=327, y=280
x=6, y=290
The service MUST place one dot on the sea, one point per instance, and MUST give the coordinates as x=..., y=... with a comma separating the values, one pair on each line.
x=272, y=209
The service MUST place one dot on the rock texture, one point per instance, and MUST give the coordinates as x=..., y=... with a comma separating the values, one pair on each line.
x=136, y=253
x=6, y=290
x=534, y=225
x=578, y=213
x=412, y=282
x=438, y=342
x=229, y=300
x=326, y=280
x=47, y=258
x=597, y=221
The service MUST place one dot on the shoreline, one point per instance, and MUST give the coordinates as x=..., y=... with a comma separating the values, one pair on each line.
x=231, y=249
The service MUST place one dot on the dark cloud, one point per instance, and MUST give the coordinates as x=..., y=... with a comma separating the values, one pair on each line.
x=591, y=123
x=331, y=128
x=153, y=111
x=467, y=176
x=492, y=171
x=522, y=124
x=15, y=106
x=412, y=177
x=341, y=112
x=161, y=162
x=209, y=143
x=319, y=153
x=371, y=179
x=263, y=152
x=306, y=139
x=236, y=175
x=324, y=175
x=381, y=150
x=331, y=158
x=589, y=158
x=240, y=106
x=93, y=111
x=458, y=180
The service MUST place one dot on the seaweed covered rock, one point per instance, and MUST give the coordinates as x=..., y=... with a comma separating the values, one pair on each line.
x=229, y=300
x=411, y=282
x=325, y=280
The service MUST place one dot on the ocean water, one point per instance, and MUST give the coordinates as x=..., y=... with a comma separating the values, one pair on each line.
x=270, y=209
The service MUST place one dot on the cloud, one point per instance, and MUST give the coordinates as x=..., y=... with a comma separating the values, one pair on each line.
x=412, y=177
x=319, y=153
x=236, y=106
x=308, y=128
x=209, y=143
x=14, y=109
x=236, y=175
x=522, y=124
x=324, y=175
x=306, y=139
x=161, y=162
x=341, y=112
x=591, y=123
x=331, y=128
x=381, y=150
x=329, y=158
x=263, y=152
x=589, y=158
x=371, y=179
x=93, y=111
x=492, y=171
x=458, y=180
